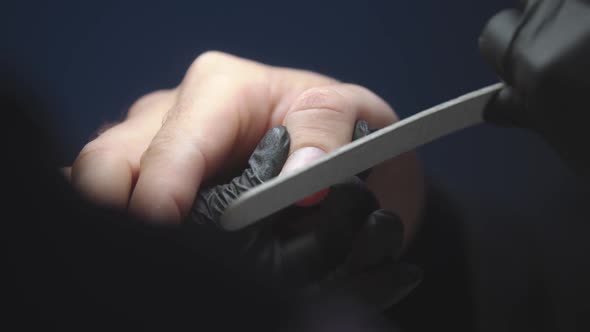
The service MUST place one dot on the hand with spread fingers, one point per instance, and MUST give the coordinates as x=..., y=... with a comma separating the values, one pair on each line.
x=345, y=244
x=154, y=162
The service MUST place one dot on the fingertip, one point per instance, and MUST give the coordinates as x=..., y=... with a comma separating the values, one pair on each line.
x=385, y=226
x=103, y=178
x=271, y=153
x=361, y=129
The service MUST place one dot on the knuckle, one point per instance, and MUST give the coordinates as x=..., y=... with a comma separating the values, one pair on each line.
x=169, y=143
x=320, y=98
x=211, y=66
x=207, y=60
x=104, y=129
x=147, y=101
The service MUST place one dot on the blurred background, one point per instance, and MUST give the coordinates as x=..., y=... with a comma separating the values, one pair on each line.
x=516, y=250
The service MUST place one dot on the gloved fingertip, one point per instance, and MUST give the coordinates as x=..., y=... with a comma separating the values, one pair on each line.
x=271, y=153
x=384, y=221
x=361, y=129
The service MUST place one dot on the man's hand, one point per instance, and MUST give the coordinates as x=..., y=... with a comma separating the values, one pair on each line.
x=154, y=161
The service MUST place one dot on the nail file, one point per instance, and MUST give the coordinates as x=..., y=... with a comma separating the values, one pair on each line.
x=357, y=156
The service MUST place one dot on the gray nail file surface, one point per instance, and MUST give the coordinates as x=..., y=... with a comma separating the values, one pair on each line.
x=355, y=157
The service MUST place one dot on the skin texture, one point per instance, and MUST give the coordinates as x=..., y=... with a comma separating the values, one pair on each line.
x=153, y=162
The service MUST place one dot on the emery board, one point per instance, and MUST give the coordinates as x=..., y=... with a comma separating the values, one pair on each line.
x=357, y=156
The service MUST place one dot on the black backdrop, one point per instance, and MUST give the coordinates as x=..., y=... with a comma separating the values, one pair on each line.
x=522, y=226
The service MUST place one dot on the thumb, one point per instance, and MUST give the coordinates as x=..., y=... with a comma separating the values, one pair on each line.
x=322, y=119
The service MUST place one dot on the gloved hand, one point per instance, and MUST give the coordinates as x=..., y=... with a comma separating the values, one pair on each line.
x=344, y=244
x=542, y=52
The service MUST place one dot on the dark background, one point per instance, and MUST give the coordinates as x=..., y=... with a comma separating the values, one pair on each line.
x=523, y=220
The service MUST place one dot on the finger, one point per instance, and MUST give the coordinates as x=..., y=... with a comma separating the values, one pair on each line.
x=331, y=229
x=210, y=118
x=322, y=119
x=103, y=174
x=398, y=184
x=361, y=129
x=106, y=168
x=342, y=214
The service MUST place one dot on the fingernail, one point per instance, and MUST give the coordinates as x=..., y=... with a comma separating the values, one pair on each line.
x=302, y=158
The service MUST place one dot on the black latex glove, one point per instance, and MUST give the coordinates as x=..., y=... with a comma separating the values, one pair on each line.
x=344, y=244
x=542, y=52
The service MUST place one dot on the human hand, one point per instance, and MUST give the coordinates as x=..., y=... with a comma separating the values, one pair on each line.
x=155, y=160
